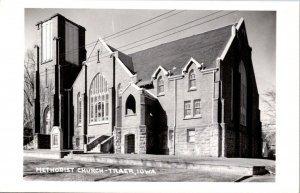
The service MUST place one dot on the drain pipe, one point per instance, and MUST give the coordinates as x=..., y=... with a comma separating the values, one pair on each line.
x=175, y=113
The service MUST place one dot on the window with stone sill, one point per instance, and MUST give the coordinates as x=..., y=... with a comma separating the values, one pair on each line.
x=192, y=80
x=187, y=109
x=197, y=111
x=160, y=86
x=191, y=135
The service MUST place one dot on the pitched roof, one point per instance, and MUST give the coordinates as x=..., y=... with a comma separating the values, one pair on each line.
x=204, y=48
x=124, y=58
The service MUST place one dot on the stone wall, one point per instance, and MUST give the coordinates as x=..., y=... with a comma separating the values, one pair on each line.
x=206, y=143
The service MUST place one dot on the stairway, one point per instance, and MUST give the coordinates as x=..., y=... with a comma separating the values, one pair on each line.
x=102, y=144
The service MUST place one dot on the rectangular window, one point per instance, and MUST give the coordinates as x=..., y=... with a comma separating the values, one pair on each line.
x=191, y=135
x=47, y=41
x=55, y=139
x=187, y=108
x=197, y=107
x=71, y=43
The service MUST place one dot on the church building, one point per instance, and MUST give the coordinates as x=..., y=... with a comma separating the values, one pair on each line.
x=192, y=96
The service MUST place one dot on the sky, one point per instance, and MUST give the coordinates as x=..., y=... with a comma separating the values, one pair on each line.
x=260, y=26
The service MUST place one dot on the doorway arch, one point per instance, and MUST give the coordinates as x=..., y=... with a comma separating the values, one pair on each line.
x=46, y=121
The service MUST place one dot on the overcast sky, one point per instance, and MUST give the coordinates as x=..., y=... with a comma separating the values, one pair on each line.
x=260, y=26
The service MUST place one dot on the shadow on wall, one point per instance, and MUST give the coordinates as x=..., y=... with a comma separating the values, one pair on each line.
x=157, y=129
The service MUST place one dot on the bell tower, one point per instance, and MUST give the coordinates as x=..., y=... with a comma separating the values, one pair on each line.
x=61, y=51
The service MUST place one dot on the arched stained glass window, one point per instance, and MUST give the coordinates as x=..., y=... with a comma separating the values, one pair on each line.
x=98, y=98
x=243, y=94
x=79, y=109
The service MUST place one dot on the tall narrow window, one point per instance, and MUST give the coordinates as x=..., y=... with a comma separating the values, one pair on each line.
x=197, y=107
x=79, y=109
x=71, y=43
x=192, y=80
x=98, y=56
x=243, y=94
x=47, y=41
x=99, y=103
x=160, y=85
x=187, y=108
x=46, y=121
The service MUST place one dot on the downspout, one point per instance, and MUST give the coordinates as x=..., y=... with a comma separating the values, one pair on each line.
x=113, y=120
x=175, y=113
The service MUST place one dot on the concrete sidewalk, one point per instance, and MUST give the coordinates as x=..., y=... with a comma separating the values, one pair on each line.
x=242, y=166
x=237, y=166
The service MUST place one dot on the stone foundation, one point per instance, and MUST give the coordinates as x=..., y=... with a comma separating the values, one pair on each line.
x=140, y=139
x=207, y=139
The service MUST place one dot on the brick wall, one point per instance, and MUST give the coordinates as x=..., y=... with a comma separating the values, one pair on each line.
x=246, y=139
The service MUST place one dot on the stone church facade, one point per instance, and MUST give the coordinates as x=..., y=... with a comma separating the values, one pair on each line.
x=193, y=96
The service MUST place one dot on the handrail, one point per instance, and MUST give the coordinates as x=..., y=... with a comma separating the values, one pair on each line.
x=96, y=141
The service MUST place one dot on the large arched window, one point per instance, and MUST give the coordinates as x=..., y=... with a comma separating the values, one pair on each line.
x=243, y=94
x=79, y=109
x=98, y=99
x=130, y=105
x=160, y=85
x=192, y=80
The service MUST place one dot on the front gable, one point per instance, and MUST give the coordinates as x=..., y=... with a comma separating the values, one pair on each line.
x=189, y=63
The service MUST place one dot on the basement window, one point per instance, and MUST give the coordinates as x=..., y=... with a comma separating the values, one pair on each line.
x=191, y=135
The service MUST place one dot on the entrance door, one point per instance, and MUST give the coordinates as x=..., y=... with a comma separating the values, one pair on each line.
x=129, y=143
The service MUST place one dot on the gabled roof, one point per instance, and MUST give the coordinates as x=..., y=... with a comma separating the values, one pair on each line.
x=124, y=58
x=204, y=48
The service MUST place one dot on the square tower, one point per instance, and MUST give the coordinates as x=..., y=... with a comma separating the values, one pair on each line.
x=62, y=50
